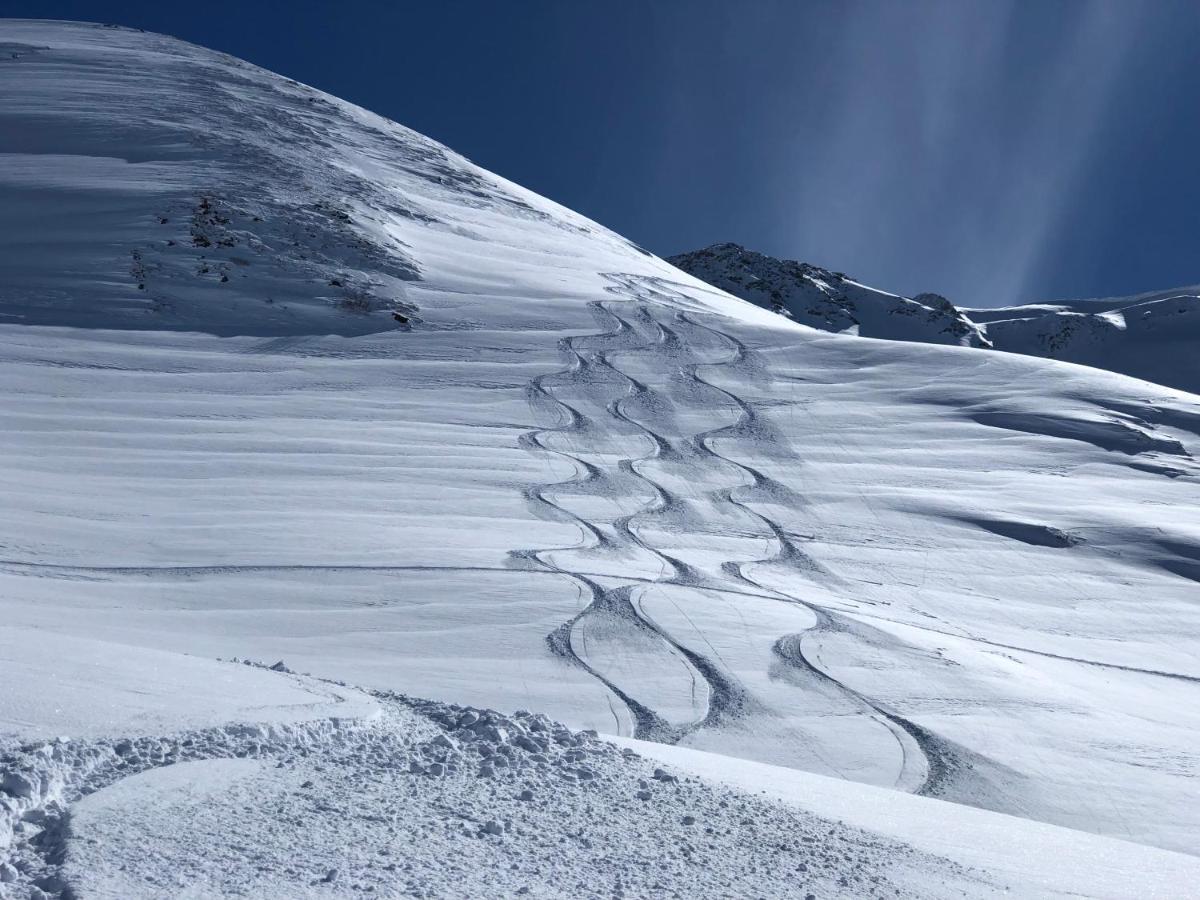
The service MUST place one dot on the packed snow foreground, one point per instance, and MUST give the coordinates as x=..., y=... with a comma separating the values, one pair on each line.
x=702, y=602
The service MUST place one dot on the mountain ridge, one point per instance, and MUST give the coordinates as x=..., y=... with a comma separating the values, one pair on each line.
x=828, y=300
x=1152, y=335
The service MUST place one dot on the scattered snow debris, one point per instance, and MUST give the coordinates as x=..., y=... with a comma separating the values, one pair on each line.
x=492, y=827
x=375, y=761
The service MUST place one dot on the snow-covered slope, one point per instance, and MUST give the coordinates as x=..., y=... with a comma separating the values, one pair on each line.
x=575, y=481
x=829, y=300
x=1153, y=336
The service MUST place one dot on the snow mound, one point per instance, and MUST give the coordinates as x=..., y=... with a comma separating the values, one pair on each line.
x=428, y=799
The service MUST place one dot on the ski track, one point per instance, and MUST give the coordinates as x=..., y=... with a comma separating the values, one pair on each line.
x=940, y=757
x=593, y=357
x=611, y=602
x=756, y=592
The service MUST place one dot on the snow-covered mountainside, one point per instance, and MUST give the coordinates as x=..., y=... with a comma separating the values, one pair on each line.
x=849, y=618
x=829, y=300
x=1153, y=336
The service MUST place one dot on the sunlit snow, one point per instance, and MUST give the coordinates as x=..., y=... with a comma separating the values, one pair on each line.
x=284, y=380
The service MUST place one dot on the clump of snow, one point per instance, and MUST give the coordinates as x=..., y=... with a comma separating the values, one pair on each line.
x=428, y=799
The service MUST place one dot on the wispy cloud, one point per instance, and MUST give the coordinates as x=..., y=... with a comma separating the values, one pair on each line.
x=953, y=140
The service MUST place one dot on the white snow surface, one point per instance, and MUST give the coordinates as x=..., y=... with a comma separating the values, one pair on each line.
x=50, y=690
x=1029, y=859
x=1154, y=336
x=461, y=814
x=573, y=480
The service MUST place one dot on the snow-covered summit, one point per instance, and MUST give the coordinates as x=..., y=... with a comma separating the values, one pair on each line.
x=829, y=300
x=1154, y=336
x=151, y=184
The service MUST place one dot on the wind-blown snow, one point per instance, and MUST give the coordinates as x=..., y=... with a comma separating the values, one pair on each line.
x=574, y=481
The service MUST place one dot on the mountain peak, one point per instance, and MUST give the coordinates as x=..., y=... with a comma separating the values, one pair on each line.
x=828, y=300
x=153, y=184
x=1151, y=336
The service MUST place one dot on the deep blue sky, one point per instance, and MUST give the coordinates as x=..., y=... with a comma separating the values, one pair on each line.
x=994, y=151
